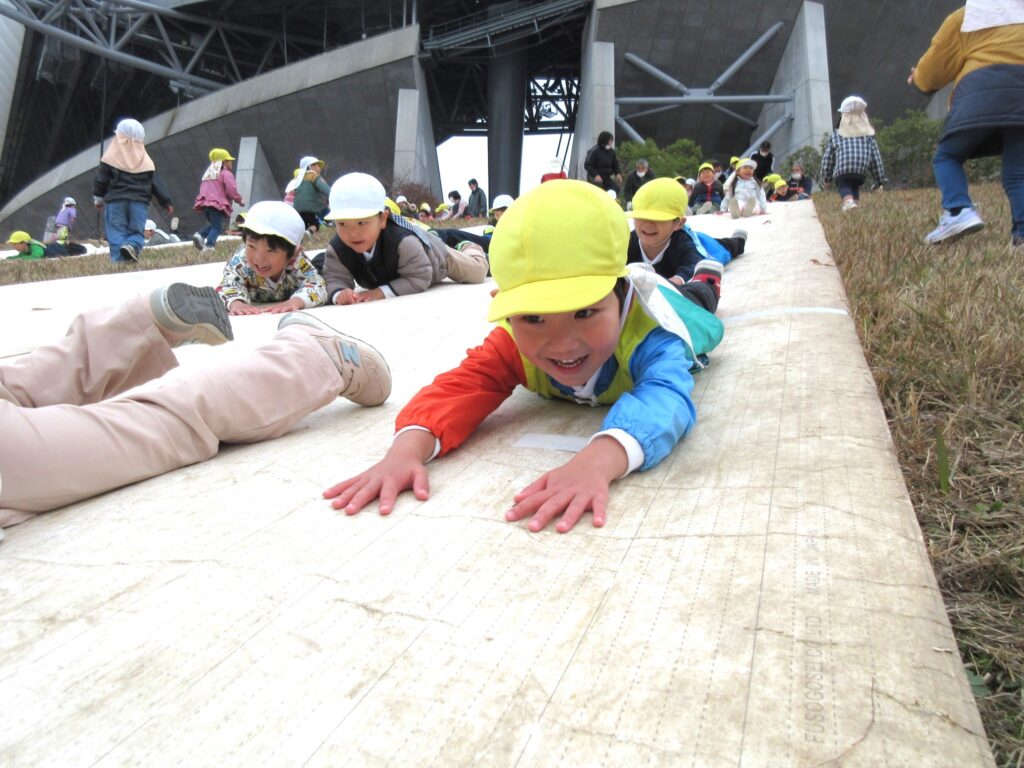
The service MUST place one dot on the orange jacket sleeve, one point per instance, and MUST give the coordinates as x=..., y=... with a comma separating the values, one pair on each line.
x=454, y=404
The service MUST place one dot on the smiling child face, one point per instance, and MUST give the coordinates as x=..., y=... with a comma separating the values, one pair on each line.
x=745, y=172
x=654, y=234
x=570, y=346
x=361, y=234
x=263, y=260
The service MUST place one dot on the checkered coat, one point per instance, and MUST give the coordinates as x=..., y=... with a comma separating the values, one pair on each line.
x=852, y=156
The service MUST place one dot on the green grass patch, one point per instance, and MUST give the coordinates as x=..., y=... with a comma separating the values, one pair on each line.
x=941, y=327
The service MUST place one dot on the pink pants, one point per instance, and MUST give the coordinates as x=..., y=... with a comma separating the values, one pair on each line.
x=62, y=440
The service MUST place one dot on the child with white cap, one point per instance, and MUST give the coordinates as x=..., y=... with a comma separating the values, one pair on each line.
x=743, y=193
x=65, y=219
x=125, y=182
x=217, y=192
x=156, y=236
x=380, y=255
x=309, y=191
x=270, y=266
x=107, y=405
x=452, y=237
x=852, y=152
x=575, y=323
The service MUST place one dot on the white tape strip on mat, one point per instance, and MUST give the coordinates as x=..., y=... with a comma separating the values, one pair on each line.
x=784, y=311
x=569, y=443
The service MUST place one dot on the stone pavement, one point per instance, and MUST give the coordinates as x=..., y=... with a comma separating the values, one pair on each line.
x=761, y=598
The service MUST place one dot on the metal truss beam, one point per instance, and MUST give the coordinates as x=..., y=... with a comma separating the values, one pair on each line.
x=181, y=47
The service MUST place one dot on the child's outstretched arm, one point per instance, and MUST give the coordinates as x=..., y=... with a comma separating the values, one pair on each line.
x=402, y=468
x=437, y=420
x=579, y=485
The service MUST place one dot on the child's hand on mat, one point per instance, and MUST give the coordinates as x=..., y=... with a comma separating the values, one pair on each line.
x=400, y=469
x=345, y=296
x=243, y=308
x=285, y=306
x=372, y=295
x=577, y=486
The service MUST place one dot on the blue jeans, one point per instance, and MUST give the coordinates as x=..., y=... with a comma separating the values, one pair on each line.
x=125, y=220
x=948, y=165
x=215, y=226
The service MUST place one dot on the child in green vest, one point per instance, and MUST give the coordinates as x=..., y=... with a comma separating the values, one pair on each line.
x=575, y=323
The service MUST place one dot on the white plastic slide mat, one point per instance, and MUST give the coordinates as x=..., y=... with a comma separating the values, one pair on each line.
x=761, y=598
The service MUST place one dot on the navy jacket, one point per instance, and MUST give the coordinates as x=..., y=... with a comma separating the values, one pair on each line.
x=990, y=97
x=679, y=258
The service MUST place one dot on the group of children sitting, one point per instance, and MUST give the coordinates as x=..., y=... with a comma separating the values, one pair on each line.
x=742, y=193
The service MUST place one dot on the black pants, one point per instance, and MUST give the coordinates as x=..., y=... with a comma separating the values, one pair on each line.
x=452, y=237
x=849, y=184
x=701, y=294
x=734, y=245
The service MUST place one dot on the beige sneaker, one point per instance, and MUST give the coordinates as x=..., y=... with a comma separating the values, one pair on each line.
x=734, y=207
x=365, y=375
x=189, y=315
x=749, y=206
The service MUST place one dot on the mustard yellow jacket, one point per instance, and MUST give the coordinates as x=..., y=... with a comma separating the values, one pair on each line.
x=954, y=54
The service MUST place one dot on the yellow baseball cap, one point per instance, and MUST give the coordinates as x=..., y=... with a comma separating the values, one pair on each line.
x=733, y=161
x=661, y=199
x=772, y=178
x=559, y=247
x=392, y=206
x=19, y=236
x=781, y=184
x=220, y=155
x=705, y=166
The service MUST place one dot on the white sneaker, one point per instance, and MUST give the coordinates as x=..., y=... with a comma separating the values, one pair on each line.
x=849, y=205
x=734, y=207
x=365, y=376
x=749, y=206
x=952, y=227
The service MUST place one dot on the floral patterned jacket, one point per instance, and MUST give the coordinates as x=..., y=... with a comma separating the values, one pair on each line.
x=299, y=280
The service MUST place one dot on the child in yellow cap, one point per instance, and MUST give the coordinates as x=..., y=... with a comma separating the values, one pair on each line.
x=217, y=192
x=574, y=323
x=662, y=239
x=28, y=248
x=707, y=192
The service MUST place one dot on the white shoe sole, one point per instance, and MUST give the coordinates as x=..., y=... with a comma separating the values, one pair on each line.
x=955, y=233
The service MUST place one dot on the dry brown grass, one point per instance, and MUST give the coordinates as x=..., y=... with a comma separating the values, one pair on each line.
x=942, y=329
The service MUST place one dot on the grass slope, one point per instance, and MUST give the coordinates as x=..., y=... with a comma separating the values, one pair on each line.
x=943, y=332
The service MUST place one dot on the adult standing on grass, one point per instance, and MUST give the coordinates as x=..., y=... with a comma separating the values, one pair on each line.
x=125, y=182
x=851, y=152
x=476, y=208
x=217, y=191
x=602, y=164
x=980, y=49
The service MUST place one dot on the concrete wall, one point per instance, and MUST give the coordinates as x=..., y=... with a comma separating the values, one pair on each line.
x=415, y=151
x=12, y=35
x=803, y=72
x=596, y=110
x=253, y=175
x=938, y=107
x=341, y=106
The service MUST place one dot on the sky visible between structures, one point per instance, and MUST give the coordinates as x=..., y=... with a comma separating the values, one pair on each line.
x=462, y=158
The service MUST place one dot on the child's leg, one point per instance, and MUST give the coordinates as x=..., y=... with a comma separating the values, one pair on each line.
x=60, y=454
x=216, y=219
x=1013, y=179
x=468, y=265
x=106, y=351
x=734, y=245
x=136, y=224
x=115, y=217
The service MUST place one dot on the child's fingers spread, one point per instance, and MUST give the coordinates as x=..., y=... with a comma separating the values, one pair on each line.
x=537, y=485
x=549, y=510
x=336, y=490
x=421, y=484
x=572, y=514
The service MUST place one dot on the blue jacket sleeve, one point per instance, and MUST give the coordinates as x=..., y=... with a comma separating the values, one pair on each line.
x=659, y=409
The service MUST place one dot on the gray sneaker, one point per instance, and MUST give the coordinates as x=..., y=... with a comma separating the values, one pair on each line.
x=128, y=253
x=197, y=241
x=365, y=376
x=190, y=315
x=707, y=207
x=734, y=207
x=749, y=206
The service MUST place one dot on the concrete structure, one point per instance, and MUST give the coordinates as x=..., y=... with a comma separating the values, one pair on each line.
x=335, y=106
x=253, y=174
x=802, y=72
x=763, y=597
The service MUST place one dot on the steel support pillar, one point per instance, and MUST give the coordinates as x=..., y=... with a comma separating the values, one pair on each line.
x=506, y=101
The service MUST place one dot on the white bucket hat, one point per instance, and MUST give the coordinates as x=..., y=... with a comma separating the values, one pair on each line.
x=852, y=104
x=356, y=196
x=401, y=199
x=272, y=217
x=150, y=224
x=132, y=129
x=70, y=201
x=501, y=201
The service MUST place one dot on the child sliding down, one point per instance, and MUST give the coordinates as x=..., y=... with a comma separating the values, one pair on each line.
x=574, y=323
